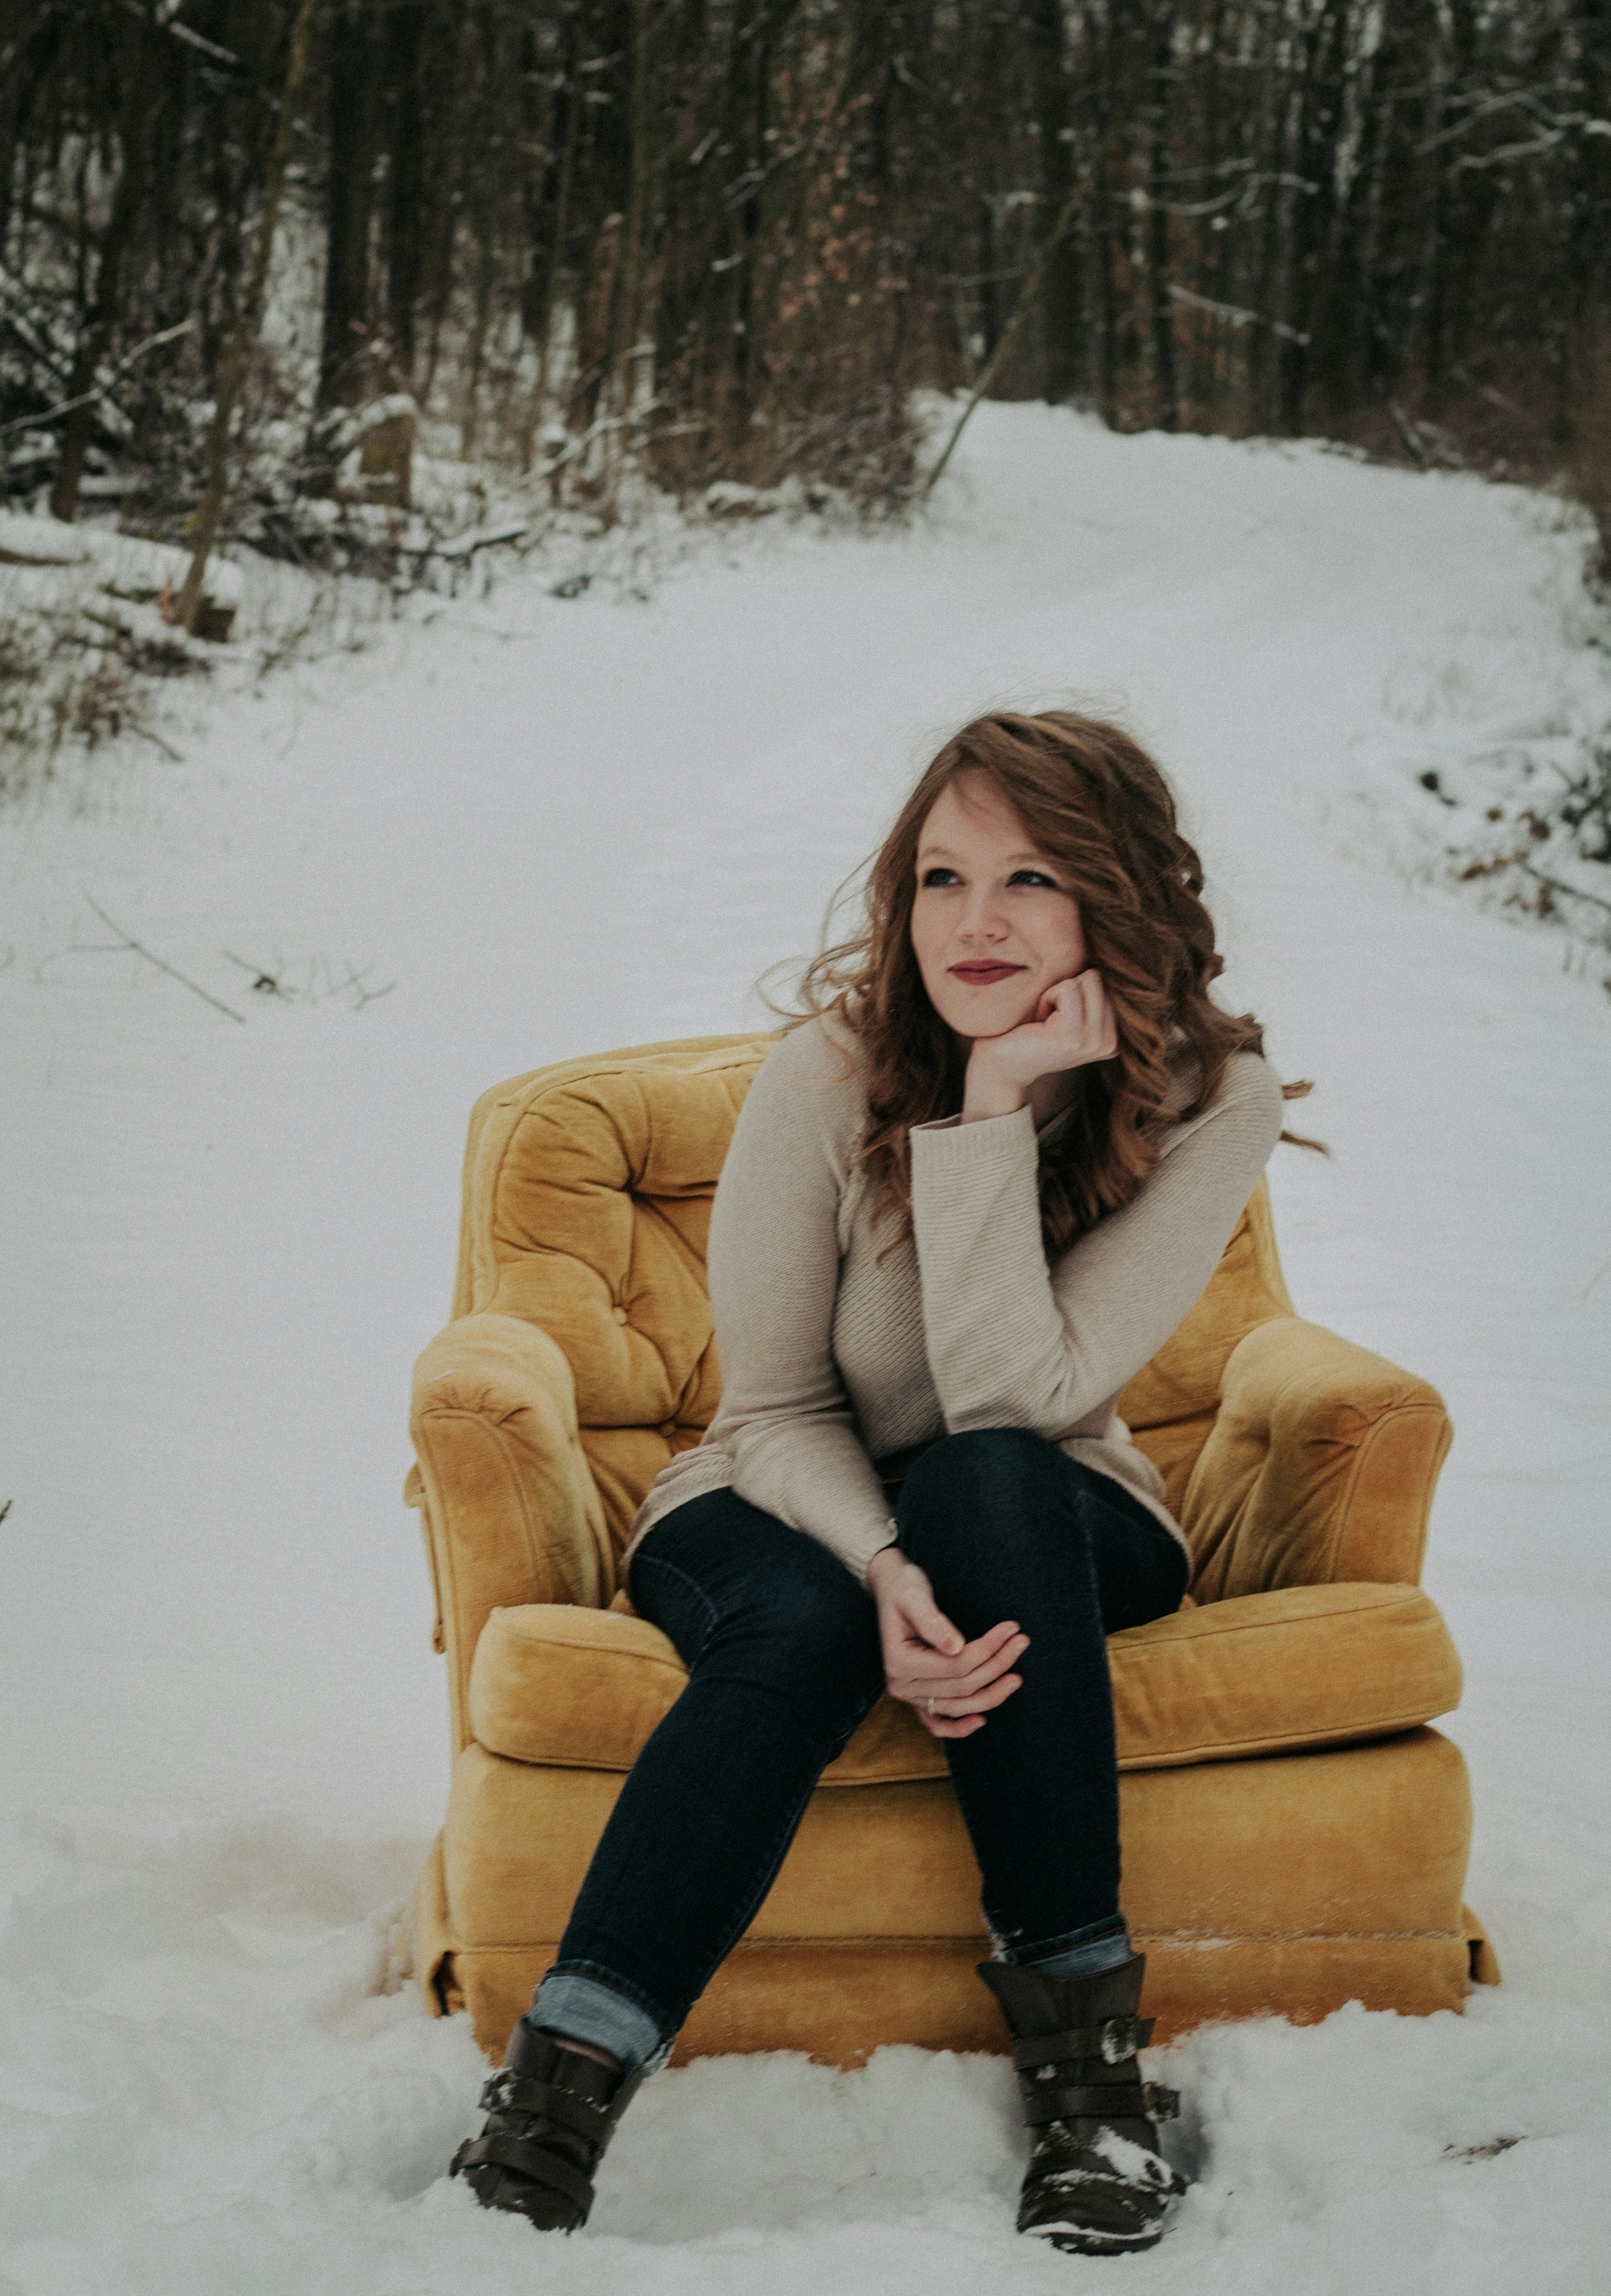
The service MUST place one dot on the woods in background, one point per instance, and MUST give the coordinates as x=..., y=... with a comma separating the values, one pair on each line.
x=724, y=239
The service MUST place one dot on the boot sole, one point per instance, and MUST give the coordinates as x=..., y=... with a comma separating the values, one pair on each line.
x=1077, y=2239
x=506, y=2197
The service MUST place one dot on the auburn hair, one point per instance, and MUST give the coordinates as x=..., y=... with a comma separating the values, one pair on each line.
x=1099, y=809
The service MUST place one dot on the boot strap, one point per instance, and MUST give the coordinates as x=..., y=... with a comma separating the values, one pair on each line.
x=1119, y=2039
x=510, y=2092
x=1116, y=2101
x=525, y=2159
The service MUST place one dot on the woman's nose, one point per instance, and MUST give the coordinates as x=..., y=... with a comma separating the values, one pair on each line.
x=982, y=921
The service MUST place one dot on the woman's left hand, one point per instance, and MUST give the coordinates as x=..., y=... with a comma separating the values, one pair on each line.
x=1073, y=1026
x=952, y=1684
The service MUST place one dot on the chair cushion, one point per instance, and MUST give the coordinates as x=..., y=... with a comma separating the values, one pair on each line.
x=1273, y=1673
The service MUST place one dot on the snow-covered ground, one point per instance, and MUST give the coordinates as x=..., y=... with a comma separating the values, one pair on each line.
x=556, y=825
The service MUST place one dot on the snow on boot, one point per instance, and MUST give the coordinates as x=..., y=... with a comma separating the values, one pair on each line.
x=550, y=2113
x=1096, y=2183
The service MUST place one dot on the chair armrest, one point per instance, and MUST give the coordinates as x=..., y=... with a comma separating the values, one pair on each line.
x=510, y=1511
x=1320, y=1467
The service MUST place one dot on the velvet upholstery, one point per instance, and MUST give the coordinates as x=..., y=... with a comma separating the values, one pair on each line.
x=1260, y=1674
x=1294, y=1836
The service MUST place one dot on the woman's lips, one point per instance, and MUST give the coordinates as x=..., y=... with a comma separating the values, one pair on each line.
x=982, y=975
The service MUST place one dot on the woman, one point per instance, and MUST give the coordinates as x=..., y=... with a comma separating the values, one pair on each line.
x=968, y=1197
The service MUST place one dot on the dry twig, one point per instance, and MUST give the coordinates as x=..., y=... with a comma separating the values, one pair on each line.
x=127, y=940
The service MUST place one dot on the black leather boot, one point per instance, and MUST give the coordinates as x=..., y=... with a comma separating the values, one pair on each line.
x=550, y=2113
x=1096, y=2183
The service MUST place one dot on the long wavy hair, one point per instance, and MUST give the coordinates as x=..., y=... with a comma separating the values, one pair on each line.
x=1096, y=805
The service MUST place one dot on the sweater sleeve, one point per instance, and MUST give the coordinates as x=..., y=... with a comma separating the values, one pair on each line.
x=773, y=1267
x=1013, y=1344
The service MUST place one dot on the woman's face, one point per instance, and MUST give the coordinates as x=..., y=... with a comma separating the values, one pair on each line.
x=994, y=923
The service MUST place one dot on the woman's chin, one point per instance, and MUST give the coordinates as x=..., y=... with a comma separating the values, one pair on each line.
x=981, y=1017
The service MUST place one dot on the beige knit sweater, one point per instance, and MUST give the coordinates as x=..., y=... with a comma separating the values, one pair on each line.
x=832, y=1363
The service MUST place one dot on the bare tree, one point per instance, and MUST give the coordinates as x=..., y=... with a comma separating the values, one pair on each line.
x=232, y=367
x=726, y=238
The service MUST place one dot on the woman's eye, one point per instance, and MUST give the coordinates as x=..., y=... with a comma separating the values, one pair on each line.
x=1034, y=876
x=938, y=876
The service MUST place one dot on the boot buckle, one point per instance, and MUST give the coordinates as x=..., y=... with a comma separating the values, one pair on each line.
x=1120, y=2040
x=497, y=2090
x=1158, y=2103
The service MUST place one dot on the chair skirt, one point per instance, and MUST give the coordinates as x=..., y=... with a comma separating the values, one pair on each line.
x=1285, y=1884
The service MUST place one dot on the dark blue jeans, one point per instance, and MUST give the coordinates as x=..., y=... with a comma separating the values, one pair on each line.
x=781, y=1646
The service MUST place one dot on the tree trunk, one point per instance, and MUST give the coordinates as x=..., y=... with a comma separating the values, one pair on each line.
x=1160, y=69
x=1062, y=289
x=488, y=206
x=751, y=79
x=1266, y=291
x=142, y=94
x=1319, y=116
x=634, y=223
x=1204, y=396
x=352, y=59
x=405, y=239
x=541, y=307
x=990, y=300
x=1105, y=106
x=14, y=78
x=238, y=350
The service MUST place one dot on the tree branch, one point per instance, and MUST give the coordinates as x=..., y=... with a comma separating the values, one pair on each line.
x=128, y=940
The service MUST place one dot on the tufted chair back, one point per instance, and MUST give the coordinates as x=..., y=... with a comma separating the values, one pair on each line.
x=586, y=1205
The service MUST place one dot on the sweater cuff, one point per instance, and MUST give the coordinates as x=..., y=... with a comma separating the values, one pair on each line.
x=950, y=1145
x=856, y=1553
x=863, y=1563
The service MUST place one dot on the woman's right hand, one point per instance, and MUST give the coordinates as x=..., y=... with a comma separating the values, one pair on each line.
x=1072, y=1025
x=952, y=1684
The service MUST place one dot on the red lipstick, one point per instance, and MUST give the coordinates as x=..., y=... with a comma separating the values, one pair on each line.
x=983, y=973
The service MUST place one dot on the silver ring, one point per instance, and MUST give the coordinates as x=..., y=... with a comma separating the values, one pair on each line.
x=931, y=1706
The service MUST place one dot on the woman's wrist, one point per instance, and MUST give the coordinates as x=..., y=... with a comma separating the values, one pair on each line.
x=984, y=1096
x=883, y=1566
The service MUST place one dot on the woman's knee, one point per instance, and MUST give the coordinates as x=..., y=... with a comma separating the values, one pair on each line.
x=786, y=1619
x=797, y=1602
x=809, y=1636
x=1005, y=1478
x=720, y=1565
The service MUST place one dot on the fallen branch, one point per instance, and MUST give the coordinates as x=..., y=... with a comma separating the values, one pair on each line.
x=476, y=629
x=268, y=983
x=465, y=545
x=1556, y=885
x=127, y=940
x=355, y=981
x=68, y=405
x=176, y=31
x=1411, y=445
x=1015, y=320
x=166, y=748
x=1237, y=315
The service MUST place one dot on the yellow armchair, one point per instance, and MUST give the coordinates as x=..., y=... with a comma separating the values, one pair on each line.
x=1294, y=1835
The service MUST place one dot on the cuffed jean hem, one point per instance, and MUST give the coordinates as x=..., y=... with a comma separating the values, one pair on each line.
x=581, y=2007
x=1082, y=1953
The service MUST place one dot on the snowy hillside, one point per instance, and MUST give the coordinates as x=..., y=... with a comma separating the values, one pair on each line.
x=544, y=826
